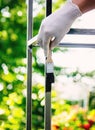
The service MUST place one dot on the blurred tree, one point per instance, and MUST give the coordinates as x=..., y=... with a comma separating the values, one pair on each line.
x=13, y=66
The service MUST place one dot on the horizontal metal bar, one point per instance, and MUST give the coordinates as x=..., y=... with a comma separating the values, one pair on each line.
x=76, y=45
x=82, y=31
x=33, y=41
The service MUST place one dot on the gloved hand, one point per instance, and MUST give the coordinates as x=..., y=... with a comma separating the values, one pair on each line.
x=56, y=25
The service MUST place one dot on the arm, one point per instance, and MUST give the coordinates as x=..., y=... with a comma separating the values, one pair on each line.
x=85, y=5
x=56, y=25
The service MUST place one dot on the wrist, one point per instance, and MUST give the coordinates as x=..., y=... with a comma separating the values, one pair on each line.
x=84, y=5
x=71, y=9
x=76, y=5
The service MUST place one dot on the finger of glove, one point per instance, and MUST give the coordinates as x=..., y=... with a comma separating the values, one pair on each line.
x=46, y=44
x=40, y=37
x=49, y=58
x=55, y=42
x=40, y=40
x=40, y=43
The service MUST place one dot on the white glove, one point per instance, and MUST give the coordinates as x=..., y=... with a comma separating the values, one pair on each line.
x=56, y=25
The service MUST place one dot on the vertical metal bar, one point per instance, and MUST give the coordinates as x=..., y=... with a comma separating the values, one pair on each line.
x=48, y=7
x=29, y=19
x=29, y=84
x=29, y=65
x=47, y=112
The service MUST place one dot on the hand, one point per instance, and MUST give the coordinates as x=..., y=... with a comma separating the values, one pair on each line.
x=56, y=25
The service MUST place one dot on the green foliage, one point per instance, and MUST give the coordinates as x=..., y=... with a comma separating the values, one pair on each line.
x=57, y=4
x=12, y=64
x=38, y=106
x=13, y=20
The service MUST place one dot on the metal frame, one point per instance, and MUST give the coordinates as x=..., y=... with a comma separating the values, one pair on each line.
x=30, y=44
x=29, y=65
x=48, y=84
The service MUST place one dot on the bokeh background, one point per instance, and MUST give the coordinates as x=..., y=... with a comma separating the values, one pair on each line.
x=73, y=94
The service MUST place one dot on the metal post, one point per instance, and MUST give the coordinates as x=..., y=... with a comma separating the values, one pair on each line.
x=48, y=80
x=48, y=7
x=29, y=65
x=47, y=112
x=29, y=84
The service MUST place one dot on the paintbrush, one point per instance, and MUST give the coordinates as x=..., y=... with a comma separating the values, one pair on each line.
x=49, y=71
x=49, y=67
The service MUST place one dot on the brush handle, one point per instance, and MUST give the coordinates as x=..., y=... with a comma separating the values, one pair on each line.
x=49, y=57
x=49, y=71
x=49, y=62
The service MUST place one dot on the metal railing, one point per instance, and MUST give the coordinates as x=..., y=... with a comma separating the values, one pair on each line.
x=30, y=44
